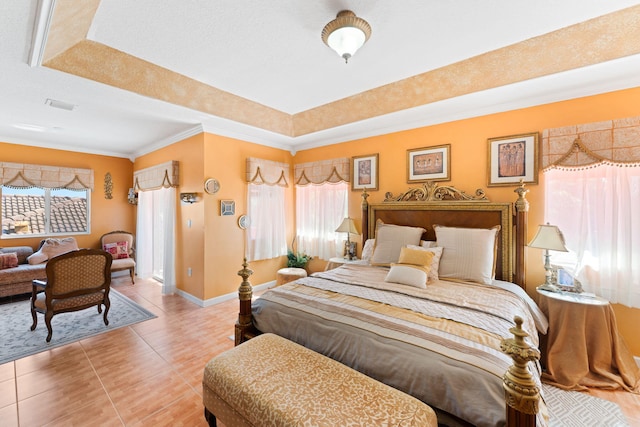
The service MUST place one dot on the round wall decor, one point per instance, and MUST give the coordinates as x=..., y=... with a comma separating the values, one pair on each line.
x=211, y=186
x=243, y=222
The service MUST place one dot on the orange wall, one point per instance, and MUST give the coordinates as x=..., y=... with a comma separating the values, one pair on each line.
x=189, y=240
x=468, y=139
x=225, y=160
x=213, y=247
x=106, y=214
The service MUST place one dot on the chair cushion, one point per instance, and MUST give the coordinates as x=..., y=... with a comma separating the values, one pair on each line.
x=122, y=264
x=61, y=304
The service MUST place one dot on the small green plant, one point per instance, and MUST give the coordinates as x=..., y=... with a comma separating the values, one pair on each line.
x=297, y=259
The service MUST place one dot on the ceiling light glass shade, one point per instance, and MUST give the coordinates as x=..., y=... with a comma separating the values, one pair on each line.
x=346, y=34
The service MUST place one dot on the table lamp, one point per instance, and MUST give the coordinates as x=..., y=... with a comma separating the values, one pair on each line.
x=548, y=237
x=348, y=226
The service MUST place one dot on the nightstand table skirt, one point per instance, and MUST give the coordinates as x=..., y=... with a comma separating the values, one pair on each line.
x=584, y=348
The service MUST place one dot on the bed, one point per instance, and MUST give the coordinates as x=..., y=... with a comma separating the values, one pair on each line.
x=440, y=342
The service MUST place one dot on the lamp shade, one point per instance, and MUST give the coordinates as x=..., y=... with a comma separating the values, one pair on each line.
x=548, y=237
x=346, y=34
x=347, y=226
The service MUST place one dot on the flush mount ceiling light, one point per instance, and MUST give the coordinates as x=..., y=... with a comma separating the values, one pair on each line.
x=346, y=34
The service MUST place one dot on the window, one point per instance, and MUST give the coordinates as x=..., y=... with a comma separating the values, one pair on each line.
x=319, y=211
x=597, y=210
x=42, y=212
x=266, y=234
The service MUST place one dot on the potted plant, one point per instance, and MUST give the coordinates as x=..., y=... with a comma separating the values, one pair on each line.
x=297, y=259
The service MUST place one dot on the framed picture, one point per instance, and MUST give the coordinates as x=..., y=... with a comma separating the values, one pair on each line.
x=429, y=164
x=565, y=281
x=364, y=172
x=227, y=207
x=512, y=159
x=350, y=250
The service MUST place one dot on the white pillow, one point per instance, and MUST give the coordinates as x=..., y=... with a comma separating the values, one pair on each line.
x=51, y=248
x=407, y=274
x=55, y=247
x=468, y=254
x=428, y=243
x=367, y=250
x=435, y=261
x=390, y=239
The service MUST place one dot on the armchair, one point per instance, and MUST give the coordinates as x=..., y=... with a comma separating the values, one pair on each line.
x=121, y=246
x=75, y=281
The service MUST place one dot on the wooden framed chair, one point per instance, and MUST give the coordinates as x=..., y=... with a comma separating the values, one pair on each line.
x=75, y=281
x=121, y=245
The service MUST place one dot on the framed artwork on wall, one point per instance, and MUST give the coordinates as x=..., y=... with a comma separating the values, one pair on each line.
x=429, y=164
x=512, y=159
x=227, y=207
x=364, y=172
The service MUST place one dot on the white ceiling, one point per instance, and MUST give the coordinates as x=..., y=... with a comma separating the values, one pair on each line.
x=271, y=53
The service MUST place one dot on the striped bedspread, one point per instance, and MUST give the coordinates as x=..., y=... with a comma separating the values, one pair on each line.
x=440, y=344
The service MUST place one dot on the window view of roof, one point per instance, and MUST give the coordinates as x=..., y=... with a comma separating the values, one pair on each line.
x=25, y=214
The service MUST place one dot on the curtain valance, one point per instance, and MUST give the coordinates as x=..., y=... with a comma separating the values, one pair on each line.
x=22, y=175
x=155, y=177
x=333, y=170
x=615, y=142
x=261, y=171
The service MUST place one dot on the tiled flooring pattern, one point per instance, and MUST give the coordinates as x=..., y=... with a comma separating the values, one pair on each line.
x=148, y=374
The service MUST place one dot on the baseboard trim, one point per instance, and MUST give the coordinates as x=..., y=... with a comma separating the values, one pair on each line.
x=222, y=298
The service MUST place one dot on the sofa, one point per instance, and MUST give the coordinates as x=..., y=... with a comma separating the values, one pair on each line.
x=19, y=270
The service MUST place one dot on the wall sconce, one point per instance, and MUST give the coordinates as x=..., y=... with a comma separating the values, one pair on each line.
x=132, y=197
x=189, y=197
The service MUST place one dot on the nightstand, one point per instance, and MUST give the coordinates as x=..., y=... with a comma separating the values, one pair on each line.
x=336, y=262
x=583, y=346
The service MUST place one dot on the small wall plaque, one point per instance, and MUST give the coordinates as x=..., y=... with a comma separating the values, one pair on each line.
x=227, y=207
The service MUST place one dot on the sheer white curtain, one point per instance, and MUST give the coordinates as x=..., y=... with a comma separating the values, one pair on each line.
x=160, y=202
x=266, y=234
x=144, y=235
x=319, y=211
x=598, y=211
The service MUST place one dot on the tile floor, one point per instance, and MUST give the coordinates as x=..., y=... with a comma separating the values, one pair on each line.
x=148, y=374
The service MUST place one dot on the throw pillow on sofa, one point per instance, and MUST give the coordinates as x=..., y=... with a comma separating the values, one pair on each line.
x=8, y=260
x=53, y=247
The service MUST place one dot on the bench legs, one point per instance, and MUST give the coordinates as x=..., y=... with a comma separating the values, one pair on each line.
x=211, y=419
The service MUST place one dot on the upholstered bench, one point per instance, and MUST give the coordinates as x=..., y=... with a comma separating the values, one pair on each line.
x=289, y=274
x=270, y=381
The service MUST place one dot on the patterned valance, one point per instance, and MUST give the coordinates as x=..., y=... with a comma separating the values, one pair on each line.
x=260, y=171
x=334, y=170
x=22, y=175
x=155, y=177
x=615, y=142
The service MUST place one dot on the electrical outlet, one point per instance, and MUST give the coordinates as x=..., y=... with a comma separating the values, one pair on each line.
x=189, y=271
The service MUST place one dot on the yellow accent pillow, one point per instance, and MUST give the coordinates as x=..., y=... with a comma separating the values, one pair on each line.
x=416, y=257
